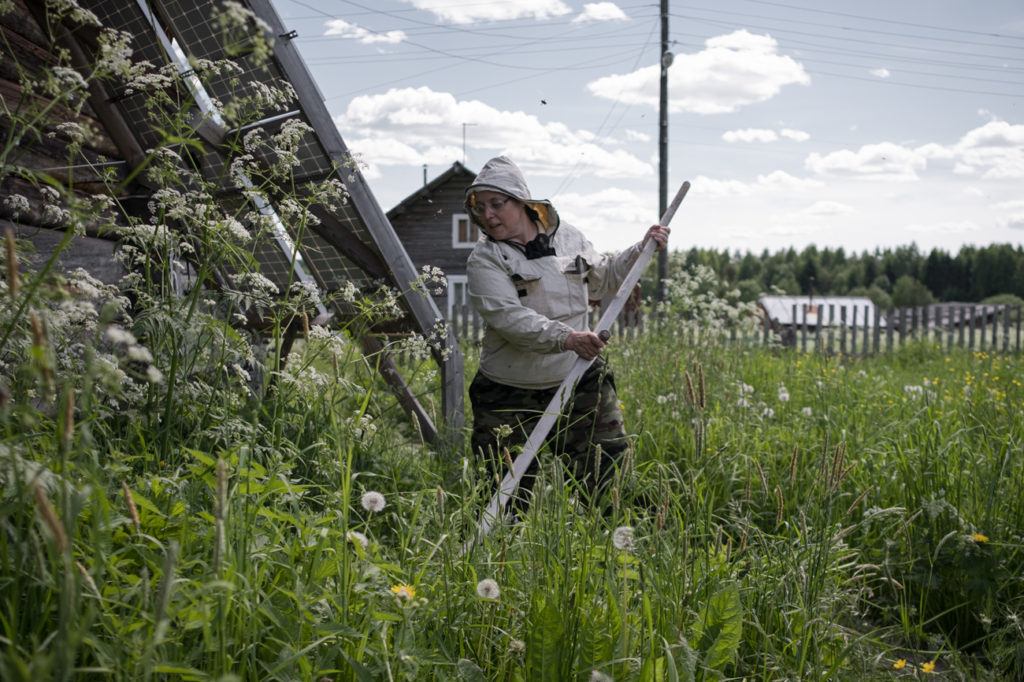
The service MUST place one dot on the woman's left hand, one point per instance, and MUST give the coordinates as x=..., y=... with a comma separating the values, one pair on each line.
x=659, y=233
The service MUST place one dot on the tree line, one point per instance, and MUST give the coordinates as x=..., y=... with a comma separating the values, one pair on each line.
x=900, y=277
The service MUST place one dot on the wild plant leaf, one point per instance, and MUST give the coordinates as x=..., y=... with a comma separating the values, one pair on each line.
x=653, y=669
x=469, y=671
x=545, y=641
x=144, y=503
x=596, y=639
x=613, y=618
x=685, y=661
x=720, y=631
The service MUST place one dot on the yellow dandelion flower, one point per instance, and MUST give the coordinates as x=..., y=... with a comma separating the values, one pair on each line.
x=928, y=667
x=978, y=537
x=900, y=664
x=403, y=590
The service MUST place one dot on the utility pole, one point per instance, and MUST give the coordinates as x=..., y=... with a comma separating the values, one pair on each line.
x=666, y=61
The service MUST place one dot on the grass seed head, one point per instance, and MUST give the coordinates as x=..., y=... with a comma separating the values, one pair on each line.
x=133, y=512
x=50, y=517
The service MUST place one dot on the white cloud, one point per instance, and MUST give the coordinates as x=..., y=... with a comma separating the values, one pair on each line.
x=600, y=11
x=774, y=183
x=993, y=151
x=1013, y=221
x=637, y=136
x=608, y=215
x=796, y=135
x=469, y=11
x=885, y=160
x=820, y=209
x=340, y=27
x=733, y=71
x=880, y=72
x=429, y=122
x=750, y=135
x=996, y=149
x=1012, y=214
x=947, y=228
x=1010, y=205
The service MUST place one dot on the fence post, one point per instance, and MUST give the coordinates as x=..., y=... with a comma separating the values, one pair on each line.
x=818, y=344
x=961, y=326
x=803, y=328
x=1018, y=309
x=970, y=329
x=878, y=330
x=1006, y=327
x=926, y=331
x=889, y=319
x=867, y=339
x=830, y=330
x=947, y=316
x=853, y=332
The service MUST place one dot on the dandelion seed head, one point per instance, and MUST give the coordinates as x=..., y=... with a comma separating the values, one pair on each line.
x=488, y=589
x=355, y=537
x=373, y=501
x=622, y=538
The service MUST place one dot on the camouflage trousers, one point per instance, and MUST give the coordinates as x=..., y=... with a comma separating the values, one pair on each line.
x=589, y=436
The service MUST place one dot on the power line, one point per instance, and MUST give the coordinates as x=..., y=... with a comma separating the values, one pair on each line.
x=887, y=21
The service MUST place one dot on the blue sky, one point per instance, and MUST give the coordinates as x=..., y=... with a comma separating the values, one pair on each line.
x=855, y=125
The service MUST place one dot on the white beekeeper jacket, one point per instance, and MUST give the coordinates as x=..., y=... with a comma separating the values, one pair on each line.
x=529, y=306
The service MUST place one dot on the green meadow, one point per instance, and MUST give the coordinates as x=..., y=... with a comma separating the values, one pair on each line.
x=802, y=517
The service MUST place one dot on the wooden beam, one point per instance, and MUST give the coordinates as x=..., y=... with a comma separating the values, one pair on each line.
x=349, y=245
x=374, y=349
x=99, y=99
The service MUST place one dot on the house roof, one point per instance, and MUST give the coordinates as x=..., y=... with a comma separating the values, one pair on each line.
x=456, y=170
x=823, y=309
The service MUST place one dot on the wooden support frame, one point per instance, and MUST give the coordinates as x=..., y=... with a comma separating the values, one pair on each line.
x=422, y=308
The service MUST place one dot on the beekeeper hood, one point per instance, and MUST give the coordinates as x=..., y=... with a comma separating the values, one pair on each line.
x=501, y=175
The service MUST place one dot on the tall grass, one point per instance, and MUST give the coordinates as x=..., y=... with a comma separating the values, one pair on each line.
x=178, y=503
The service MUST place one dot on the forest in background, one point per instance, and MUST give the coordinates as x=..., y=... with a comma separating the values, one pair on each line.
x=900, y=277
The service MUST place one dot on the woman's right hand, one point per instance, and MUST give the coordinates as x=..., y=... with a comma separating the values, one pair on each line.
x=587, y=345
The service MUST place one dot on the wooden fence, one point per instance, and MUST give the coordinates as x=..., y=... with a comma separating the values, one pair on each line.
x=975, y=326
x=845, y=330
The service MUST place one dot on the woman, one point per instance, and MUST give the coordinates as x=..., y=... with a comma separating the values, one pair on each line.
x=531, y=279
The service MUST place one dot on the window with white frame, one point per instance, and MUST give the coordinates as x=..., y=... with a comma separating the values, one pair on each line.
x=457, y=293
x=465, y=233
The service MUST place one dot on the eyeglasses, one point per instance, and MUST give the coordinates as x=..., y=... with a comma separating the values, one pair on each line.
x=479, y=208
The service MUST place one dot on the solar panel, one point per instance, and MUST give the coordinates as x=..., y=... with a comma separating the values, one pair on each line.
x=355, y=246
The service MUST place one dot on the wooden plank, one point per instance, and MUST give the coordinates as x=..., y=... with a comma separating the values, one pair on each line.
x=378, y=354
